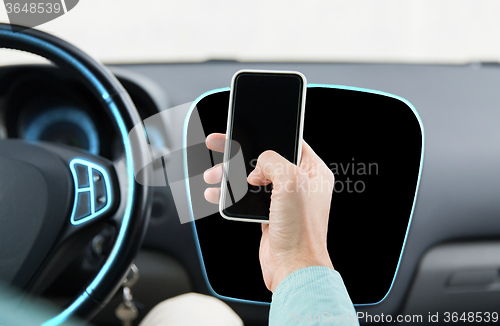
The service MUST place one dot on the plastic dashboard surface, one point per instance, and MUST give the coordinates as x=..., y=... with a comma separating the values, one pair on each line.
x=374, y=144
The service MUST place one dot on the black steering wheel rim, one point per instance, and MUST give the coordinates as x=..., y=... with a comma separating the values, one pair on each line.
x=119, y=105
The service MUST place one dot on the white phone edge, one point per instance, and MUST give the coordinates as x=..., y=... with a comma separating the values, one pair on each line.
x=227, y=144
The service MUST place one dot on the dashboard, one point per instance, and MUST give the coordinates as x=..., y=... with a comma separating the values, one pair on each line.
x=44, y=104
x=456, y=215
x=47, y=106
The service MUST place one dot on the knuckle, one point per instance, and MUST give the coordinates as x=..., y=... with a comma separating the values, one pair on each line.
x=330, y=175
x=266, y=155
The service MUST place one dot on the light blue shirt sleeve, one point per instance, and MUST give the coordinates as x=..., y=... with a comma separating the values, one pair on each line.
x=312, y=296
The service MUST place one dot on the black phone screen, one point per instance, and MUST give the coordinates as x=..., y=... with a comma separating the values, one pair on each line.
x=265, y=115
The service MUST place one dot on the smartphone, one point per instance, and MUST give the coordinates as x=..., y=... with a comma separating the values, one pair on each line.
x=266, y=112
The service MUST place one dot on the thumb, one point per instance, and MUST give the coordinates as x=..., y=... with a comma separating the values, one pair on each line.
x=271, y=167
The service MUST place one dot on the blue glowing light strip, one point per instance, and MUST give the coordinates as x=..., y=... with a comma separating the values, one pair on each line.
x=90, y=189
x=193, y=224
x=64, y=315
x=419, y=170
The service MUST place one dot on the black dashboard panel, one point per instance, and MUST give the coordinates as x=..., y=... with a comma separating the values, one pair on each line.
x=460, y=183
x=373, y=145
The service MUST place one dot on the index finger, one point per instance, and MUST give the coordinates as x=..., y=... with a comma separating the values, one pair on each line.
x=216, y=142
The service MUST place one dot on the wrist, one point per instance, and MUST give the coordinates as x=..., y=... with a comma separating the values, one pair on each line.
x=281, y=273
x=290, y=267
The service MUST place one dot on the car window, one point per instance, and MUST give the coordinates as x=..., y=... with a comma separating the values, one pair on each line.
x=130, y=31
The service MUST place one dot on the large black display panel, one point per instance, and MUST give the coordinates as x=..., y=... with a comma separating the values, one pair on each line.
x=373, y=144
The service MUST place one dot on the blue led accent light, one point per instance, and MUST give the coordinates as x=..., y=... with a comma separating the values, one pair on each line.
x=90, y=189
x=193, y=224
x=64, y=315
x=419, y=170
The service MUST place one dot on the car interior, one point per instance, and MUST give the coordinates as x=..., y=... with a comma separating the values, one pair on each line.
x=421, y=237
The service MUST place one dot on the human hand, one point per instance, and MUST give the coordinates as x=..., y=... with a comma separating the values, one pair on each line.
x=295, y=237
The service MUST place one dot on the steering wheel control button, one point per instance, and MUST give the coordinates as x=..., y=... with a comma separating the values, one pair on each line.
x=82, y=172
x=100, y=198
x=83, y=208
x=92, y=190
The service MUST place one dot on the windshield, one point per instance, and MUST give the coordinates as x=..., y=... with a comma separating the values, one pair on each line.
x=147, y=31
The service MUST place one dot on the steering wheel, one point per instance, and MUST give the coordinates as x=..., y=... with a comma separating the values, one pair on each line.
x=53, y=196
